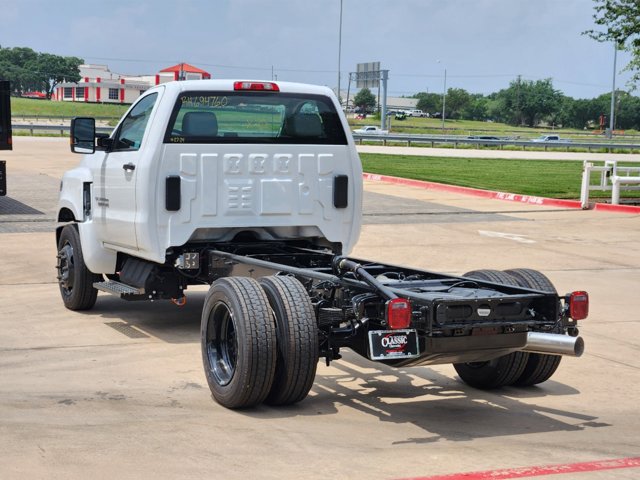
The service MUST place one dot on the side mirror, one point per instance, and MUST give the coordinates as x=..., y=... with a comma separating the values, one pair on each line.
x=103, y=141
x=83, y=135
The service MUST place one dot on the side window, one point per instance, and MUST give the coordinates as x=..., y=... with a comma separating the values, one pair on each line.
x=129, y=136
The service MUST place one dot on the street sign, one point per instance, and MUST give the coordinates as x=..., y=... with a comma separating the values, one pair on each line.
x=368, y=75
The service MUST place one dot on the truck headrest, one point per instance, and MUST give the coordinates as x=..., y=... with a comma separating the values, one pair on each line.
x=306, y=125
x=199, y=124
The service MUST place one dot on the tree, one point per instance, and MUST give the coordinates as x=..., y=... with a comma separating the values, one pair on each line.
x=526, y=101
x=28, y=70
x=18, y=66
x=581, y=113
x=365, y=99
x=428, y=102
x=457, y=100
x=621, y=19
x=477, y=108
x=54, y=69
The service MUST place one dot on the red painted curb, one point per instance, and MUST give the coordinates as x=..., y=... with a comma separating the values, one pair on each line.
x=511, y=197
x=509, y=473
x=607, y=207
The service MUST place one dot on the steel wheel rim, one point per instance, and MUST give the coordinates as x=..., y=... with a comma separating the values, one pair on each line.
x=222, y=344
x=66, y=268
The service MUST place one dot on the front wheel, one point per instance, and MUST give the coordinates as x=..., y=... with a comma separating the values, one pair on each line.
x=74, y=278
x=238, y=342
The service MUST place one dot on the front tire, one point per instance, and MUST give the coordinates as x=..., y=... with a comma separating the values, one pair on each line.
x=501, y=371
x=297, y=339
x=238, y=342
x=74, y=278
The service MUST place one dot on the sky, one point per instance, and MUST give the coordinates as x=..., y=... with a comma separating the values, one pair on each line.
x=482, y=44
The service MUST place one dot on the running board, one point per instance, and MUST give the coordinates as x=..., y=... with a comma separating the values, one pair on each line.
x=121, y=290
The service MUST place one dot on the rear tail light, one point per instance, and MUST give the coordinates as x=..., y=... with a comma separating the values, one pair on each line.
x=579, y=305
x=256, y=86
x=398, y=313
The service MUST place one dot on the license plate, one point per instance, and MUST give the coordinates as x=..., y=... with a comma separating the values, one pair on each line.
x=390, y=344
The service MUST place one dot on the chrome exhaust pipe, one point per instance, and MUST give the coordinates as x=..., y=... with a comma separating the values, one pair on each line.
x=554, y=344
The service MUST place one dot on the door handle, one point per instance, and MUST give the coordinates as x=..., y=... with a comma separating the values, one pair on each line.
x=129, y=167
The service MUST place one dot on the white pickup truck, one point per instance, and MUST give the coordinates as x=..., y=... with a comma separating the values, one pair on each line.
x=371, y=130
x=551, y=139
x=255, y=188
x=416, y=113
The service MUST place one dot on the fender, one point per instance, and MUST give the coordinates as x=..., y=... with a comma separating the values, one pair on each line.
x=71, y=194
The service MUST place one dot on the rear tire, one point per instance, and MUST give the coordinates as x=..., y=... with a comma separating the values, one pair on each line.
x=494, y=276
x=540, y=367
x=297, y=339
x=495, y=373
x=74, y=278
x=500, y=371
x=238, y=342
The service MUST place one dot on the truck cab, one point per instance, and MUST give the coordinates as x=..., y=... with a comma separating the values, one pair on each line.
x=202, y=161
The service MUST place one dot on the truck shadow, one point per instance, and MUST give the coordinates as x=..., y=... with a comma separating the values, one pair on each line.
x=162, y=319
x=440, y=405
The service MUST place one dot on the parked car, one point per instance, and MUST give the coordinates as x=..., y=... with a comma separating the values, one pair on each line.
x=484, y=137
x=372, y=130
x=550, y=138
x=416, y=113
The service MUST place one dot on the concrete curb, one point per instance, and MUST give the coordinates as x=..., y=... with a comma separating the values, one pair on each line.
x=510, y=197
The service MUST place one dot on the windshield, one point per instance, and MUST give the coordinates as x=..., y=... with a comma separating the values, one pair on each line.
x=254, y=117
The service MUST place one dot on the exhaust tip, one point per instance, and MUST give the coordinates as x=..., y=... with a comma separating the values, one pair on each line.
x=578, y=348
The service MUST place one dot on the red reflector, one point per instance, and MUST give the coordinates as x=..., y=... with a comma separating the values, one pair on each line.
x=398, y=313
x=579, y=305
x=256, y=86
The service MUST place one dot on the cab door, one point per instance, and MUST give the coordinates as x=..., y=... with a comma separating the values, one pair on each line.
x=116, y=195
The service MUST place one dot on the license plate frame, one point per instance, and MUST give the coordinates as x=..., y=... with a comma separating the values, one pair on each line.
x=393, y=344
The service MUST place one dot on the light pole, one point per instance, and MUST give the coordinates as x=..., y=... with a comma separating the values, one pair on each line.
x=444, y=99
x=339, y=52
x=613, y=91
x=444, y=96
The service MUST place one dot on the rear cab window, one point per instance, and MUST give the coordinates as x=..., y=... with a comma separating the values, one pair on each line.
x=254, y=117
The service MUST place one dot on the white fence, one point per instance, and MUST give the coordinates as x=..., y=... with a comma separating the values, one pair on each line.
x=612, y=178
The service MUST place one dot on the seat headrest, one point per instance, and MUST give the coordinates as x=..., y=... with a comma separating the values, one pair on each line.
x=199, y=124
x=306, y=125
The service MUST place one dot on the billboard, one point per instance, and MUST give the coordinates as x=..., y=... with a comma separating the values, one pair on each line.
x=368, y=75
x=5, y=116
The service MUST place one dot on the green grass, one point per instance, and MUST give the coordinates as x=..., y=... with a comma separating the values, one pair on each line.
x=28, y=107
x=554, y=179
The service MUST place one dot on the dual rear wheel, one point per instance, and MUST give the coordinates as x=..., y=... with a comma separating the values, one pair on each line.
x=518, y=368
x=259, y=341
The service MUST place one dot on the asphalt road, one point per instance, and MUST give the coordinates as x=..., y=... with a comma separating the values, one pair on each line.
x=119, y=392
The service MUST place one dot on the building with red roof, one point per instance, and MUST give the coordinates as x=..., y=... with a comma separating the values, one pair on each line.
x=184, y=71
x=98, y=84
